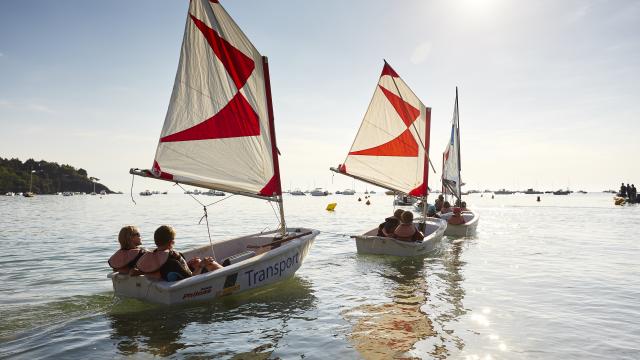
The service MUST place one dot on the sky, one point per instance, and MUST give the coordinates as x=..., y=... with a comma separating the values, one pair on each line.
x=548, y=89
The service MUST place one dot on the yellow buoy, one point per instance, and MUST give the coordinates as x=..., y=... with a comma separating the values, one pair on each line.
x=331, y=206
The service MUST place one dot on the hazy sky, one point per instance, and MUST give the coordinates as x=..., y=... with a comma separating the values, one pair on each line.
x=549, y=89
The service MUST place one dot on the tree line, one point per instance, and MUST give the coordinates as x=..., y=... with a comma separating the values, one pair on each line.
x=47, y=177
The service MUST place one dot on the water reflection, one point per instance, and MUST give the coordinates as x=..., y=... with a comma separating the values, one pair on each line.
x=444, y=304
x=390, y=329
x=250, y=323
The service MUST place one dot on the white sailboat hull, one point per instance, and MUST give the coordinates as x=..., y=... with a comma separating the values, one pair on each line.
x=369, y=243
x=262, y=267
x=467, y=229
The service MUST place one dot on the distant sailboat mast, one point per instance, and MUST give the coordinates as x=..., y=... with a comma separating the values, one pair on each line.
x=458, y=145
x=451, y=178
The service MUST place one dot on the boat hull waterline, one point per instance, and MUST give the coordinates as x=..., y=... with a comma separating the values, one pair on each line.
x=463, y=230
x=258, y=270
x=369, y=243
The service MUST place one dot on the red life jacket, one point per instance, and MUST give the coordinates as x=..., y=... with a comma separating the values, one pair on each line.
x=405, y=232
x=151, y=262
x=121, y=259
x=456, y=220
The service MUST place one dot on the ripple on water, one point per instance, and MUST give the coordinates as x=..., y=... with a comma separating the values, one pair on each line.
x=558, y=281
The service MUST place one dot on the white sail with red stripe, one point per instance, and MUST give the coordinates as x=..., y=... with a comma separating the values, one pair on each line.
x=451, y=181
x=392, y=144
x=217, y=132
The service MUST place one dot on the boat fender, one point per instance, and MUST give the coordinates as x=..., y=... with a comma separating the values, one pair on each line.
x=122, y=258
x=152, y=261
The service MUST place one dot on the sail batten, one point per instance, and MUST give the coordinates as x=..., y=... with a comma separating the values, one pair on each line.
x=390, y=149
x=217, y=131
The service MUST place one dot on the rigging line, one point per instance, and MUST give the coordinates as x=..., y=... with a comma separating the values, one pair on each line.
x=193, y=197
x=206, y=218
x=276, y=214
x=133, y=177
x=215, y=202
x=413, y=124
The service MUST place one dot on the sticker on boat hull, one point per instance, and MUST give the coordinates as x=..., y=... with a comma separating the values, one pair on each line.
x=203, y=291
x=276, y=270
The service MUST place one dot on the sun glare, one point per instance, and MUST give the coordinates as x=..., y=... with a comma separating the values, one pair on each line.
x=478, y=8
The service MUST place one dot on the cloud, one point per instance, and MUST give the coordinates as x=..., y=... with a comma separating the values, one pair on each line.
x=579, y=13
x=1, y=54
x=41, y=108
x=421, y=53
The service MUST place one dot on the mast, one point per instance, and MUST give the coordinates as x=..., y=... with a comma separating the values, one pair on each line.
x=427, y=138
x=458, y=145
x=274, y=148
x=31, y=179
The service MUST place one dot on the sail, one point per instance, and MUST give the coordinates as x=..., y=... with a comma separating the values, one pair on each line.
x=391, y=147
x=217, y=132
x=451, y=181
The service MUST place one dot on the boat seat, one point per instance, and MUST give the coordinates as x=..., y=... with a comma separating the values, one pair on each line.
x=238, y=257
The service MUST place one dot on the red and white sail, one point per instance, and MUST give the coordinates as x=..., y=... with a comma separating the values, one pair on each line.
x=451, y=181
x=392, y=144
x=217, y=130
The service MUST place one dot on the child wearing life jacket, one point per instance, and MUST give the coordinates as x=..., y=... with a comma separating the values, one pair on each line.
x=389, y=225
x=164, y=262
x=456, y=218
x=124, y=260
x=407, y=231
x=446, y=208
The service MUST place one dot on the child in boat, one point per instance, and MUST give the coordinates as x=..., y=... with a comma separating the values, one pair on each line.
x=199, y=266
x=446, y=208
x=431, y=212
x=407, y=231
x=463, y=206
x=439, y=202
x=164, y=262
x=124, y=260
x=456, y=218
x=389, y=225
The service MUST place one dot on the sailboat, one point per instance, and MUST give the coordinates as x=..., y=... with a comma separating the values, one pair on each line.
x=29, y=193
x=391, y=151
x=451, y=179
x=219, y=134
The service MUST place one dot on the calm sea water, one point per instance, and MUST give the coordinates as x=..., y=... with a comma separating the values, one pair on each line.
x=559, y=279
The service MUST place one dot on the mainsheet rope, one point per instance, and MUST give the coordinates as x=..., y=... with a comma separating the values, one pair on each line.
x=133, y=177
